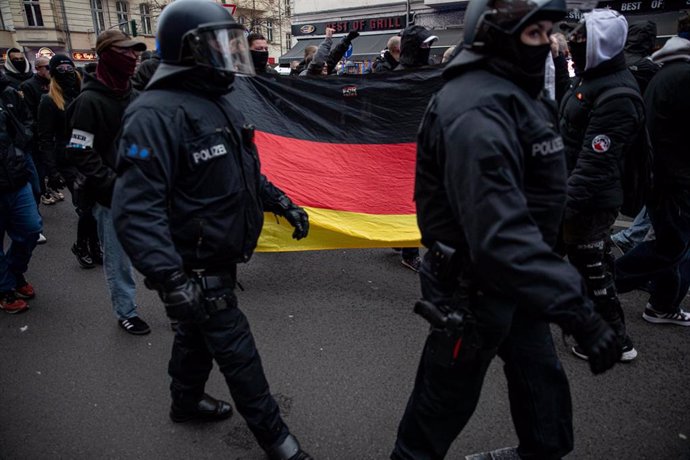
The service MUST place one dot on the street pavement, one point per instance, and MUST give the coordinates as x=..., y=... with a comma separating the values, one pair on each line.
x=340, y=346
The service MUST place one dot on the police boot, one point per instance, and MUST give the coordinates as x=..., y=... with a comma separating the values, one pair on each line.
x=288, y=450
x=207, y=409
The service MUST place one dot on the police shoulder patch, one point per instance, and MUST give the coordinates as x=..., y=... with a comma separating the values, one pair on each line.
x=138, y=153
x=601, y=143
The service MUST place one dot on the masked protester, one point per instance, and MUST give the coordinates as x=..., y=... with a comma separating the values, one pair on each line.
x=53, y=137
x=258, y=49
x=415, y=47
x=94, y=122
x=17, y=68
x=596, y=142
x=188, y=206
x=490, y=189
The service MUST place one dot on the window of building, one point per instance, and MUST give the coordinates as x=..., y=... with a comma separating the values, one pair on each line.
x=122, y=10
x=145, y=11
x=288, y=40
x=241, y=20
x=286, y=9
x=98, y=16
x=34, y=18
x=269, y=31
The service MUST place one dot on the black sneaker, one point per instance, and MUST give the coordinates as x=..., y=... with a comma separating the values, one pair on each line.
x=135, y=326
x=679, y=318
x=628, y=354
x=83, y=256
x=413, y=263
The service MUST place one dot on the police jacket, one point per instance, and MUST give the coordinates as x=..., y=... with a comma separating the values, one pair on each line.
x=94, y=120
x=596, y=141
x=190, y=194
x=13, y=167
x=491, y=182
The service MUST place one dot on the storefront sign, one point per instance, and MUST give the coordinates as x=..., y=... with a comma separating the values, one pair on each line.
x=350, y=25
x=83, y=56
x=635, y=7
x=44, y=52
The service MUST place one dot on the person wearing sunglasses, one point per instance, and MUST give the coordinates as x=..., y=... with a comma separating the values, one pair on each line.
x=52, y=139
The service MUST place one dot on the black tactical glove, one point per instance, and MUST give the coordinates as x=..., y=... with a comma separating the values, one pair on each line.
x=56, y=181
x=299, y=219
x=182, y=297
x=599, y=343
x=352, y=35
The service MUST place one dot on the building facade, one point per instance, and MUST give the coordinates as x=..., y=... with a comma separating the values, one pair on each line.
x=377, y=20
x=47, y=27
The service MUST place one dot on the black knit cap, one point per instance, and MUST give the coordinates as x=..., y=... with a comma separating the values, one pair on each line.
x=57, y=60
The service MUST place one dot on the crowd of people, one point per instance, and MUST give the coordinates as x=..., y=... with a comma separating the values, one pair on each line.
x=513, y=186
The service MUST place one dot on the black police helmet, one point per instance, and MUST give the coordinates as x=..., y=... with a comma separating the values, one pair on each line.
x=486, y=18
x=203, y=33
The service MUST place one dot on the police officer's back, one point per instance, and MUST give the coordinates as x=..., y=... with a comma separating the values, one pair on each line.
x=490, y=190
x=188, y=207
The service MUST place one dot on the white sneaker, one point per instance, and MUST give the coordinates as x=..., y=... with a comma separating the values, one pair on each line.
x=679, y=318
x=42, y=239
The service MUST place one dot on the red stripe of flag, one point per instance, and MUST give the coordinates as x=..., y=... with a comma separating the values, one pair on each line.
x=363, y=178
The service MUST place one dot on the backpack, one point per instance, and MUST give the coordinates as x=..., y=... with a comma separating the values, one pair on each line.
x=636, y=167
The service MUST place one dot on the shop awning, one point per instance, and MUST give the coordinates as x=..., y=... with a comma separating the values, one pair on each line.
x=368, y=47
x=363, y=47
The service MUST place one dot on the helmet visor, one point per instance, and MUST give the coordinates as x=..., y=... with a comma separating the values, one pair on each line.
x=222, y=47
x=509, y=16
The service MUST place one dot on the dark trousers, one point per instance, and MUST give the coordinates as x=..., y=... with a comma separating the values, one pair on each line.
x=444, y=398
x=587, y=243
x=226, y=338
x=666, y=260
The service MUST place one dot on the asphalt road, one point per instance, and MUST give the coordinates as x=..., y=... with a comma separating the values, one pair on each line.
x=340, y=346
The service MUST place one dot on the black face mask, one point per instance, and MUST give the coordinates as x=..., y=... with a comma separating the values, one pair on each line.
x=578, y=52
x=260, y=59
x=68, y=83
x=20, y=65
x=532, y=59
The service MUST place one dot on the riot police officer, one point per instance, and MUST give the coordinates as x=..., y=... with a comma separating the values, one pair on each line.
x=490, y=191
x=188, y=207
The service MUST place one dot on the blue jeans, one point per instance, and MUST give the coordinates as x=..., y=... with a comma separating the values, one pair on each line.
x=20, y=220
x=665, y=260
x=637, y=232
x=119, y=273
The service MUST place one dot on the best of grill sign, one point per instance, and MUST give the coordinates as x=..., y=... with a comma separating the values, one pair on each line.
x=359, y=25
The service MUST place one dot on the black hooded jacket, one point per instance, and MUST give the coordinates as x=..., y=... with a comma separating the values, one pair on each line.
x=385, y=63
x=94, y=121
x=20, y=117
x=491, y=182
x=638, y=49
x=411, y=52
x=145, y=71
x=596, y=141
x=15, y=76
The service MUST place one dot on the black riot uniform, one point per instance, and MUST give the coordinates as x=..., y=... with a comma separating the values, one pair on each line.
x=188, y=206
x=490, y=189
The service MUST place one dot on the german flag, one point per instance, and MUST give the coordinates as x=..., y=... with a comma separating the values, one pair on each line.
x=344, y=149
